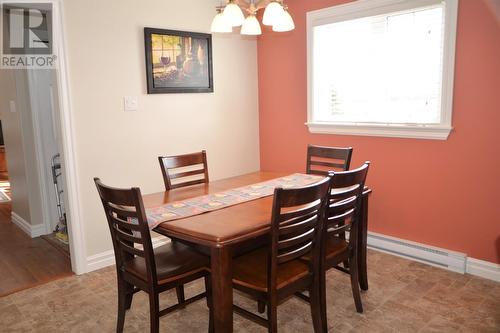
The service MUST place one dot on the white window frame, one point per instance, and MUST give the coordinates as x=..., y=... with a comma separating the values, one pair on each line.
x=365, y=8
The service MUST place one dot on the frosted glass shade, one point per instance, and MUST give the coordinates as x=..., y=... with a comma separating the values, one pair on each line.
x=220, y=24
x=234, y=15
x=251, y=26
x=273, y=13
x=285, y=23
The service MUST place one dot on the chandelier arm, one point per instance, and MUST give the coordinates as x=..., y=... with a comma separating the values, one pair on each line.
x=259, y=4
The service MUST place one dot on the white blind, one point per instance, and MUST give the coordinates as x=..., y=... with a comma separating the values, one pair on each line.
x=380, y=69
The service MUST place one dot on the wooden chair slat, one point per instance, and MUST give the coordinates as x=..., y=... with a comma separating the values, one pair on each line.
x=126, y=225
x=327, y=164
x=122, y=211
x=300, y=212
x=189, y=183
x=333, y=219
x=342, y=206
x=339, y=229
x=299, y=226
x=131, y=250
x=186, y=174
x=299, y=239
x=296, y=253
x=131, y=238
x=168, y=163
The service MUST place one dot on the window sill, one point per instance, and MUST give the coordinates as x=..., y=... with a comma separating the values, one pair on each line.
x=432, y=132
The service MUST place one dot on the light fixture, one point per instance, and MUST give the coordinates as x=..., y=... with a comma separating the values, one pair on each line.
x=285, y=23
x=251, y=26
x=273, y=13
x=231, y=15
x=220, y=23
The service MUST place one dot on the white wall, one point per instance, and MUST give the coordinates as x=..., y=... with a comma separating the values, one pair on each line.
x=11, y=123
x=29, y=148
x=105, y=46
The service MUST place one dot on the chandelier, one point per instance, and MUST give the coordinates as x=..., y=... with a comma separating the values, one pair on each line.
x=231, y=15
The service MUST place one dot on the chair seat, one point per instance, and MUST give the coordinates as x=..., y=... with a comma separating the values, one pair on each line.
x=172, y=260
x=250, y=270
x=334, y=246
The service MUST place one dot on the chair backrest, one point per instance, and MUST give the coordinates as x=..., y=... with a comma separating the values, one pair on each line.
x=297, y=220
x=345, y=200
x=322, y=160
x=184, y=170
x=128, y=225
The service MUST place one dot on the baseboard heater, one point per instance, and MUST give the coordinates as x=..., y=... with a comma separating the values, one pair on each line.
x=451, y=260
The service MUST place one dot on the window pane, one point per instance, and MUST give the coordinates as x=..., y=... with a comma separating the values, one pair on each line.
x=381, y=69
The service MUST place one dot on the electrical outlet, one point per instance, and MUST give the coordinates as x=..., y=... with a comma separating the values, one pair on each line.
x=130, y=103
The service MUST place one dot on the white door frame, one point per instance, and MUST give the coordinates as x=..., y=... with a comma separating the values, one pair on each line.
x=76, y=231
x=69, y=155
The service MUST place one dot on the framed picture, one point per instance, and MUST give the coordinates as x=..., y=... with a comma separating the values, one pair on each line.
x=178, y=61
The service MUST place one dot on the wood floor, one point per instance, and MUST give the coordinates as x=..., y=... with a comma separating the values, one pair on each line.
x=26, y=262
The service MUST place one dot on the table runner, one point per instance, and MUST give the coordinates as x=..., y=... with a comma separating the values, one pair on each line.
x=210, y=202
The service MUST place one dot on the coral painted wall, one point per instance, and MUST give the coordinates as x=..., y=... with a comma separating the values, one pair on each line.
x=441, y=193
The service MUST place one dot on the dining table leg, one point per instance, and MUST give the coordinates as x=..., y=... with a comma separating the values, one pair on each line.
x=222, y=288
x=362, y=244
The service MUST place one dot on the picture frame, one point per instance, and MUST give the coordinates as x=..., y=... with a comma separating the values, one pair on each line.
x=178, y=61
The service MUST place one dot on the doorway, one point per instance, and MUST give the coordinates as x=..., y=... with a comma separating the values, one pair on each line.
x=22, y=230
x=28, y=117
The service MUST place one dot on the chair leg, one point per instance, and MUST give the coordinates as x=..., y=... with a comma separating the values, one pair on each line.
x=208, y=289
x=128, y=299
x=317, y=309
x=355, y=282
x=154, y=309
x=122, y=305
x=322, y=299
x=261, y=306
x=272, y=316
x=180, y=294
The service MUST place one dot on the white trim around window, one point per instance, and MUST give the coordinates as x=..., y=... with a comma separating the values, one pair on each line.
x=366, y=8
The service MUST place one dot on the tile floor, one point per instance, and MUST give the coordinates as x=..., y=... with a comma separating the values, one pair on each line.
x=404, y=296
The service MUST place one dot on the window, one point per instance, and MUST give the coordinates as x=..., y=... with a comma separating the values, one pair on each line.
x=382, y=68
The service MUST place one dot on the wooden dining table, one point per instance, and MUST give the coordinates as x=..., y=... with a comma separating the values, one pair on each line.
x=222, y=231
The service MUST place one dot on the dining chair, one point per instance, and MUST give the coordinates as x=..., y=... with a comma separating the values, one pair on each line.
x=138, y=265
x=180, y=171
x=272, y=273
x=321, y=160
x=184, y=170
x=343, y=214
x=345, y=200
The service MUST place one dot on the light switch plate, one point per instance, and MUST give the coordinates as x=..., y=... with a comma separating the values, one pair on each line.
x=130, y=103
x=12, y=106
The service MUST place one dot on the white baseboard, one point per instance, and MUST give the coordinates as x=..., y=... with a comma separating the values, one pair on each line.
x=107, y=258
x=484, y=269
x=31, y=230
x=431, y=255
x=435, y=256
